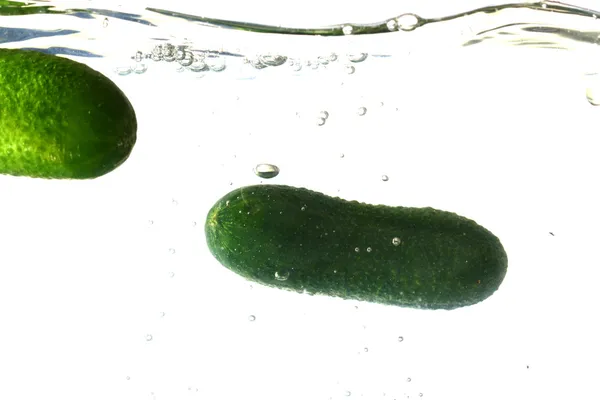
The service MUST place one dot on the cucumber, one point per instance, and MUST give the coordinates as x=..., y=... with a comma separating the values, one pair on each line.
x=60, y=119
x=300, y=240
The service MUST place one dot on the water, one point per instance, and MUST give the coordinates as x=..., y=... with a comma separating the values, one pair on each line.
x=488, y=111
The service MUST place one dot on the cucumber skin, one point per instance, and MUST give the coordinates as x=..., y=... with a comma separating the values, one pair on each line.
x=444, y=261
x=60, y=119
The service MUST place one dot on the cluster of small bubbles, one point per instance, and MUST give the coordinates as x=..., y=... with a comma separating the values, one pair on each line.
x=356, y=58
x=396, y=241
x=350, y=69
x=148, y=338
x=385, y=178
x=251, y=318
x=347, y=30
x=282, y=276
x=361, y=111
x=266, y=171
x=407, y=22
x=369, y=249
x=392, y=25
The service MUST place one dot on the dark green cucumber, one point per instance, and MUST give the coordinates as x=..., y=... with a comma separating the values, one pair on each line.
x=304, y=241
x=60, y=119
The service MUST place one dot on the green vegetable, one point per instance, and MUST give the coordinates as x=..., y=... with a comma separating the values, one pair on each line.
x=304, y=241
x=60, y=119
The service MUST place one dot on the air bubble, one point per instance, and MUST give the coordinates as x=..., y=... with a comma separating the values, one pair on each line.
x=342, y=155
x=396, y=241
x=407, y=22
x=171, y=274
x=348, y=393
x=321, y=121
x=272, y=60
x=303, y=208
x=356, y=249
x=324, y=114
x=592, y=92
x=105, y=23
x=361, y=111
x=408, y=379
x=148, y=338
x=198, y=65
x=332, y=57
x=350, y=69
x=266, y=171
x=251, y=318
x=282, y=276
x=385, y=178
x=187, y=60
x=356, y=58
x=347, y=30
x=138, y=56
x=401, y=338
x=123, y=70
x=215, y=63
x=369, y=249
x=392, y=25
x=366, y=349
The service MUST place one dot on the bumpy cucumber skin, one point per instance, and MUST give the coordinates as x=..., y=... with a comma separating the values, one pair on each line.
x=266, y=233
x=60, y=119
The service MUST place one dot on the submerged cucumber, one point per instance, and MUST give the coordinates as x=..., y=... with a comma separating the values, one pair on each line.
x=304, y=241
x=60, y=119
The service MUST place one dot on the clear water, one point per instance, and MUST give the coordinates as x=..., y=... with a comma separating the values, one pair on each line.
x=107, y=289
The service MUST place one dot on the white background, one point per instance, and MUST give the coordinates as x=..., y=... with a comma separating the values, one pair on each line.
x=506, y=137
